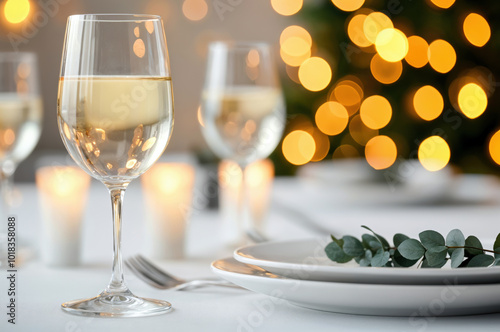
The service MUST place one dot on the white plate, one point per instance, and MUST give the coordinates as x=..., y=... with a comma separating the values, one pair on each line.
x=365, y=299
x=306, y=260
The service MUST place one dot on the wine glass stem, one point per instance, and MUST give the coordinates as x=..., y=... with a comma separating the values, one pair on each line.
x=117, y=283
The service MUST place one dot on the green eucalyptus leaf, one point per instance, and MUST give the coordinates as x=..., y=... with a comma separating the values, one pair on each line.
x=472, y=241
x=400, y=261
x=399, y=238
x=497, y=243
x=340, y=242
x=436, y=257
x=353, y=246
x=411, y=249
x=457, y=257
x=431, y=239
x=465, y=262
x=497, y=262
x=497, y=252
x=367, y=259
x=381, y=258
x=367, y=238
x=455, y=238
x=481, y=260
x=380, y=238
x=336, y=254
x=375, y=245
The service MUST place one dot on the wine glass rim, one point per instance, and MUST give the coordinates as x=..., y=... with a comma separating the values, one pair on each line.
x=17, y=56
x=240, y=44
x=115, y=17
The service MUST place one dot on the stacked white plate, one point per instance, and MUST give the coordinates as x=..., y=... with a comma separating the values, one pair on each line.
x=300, y=273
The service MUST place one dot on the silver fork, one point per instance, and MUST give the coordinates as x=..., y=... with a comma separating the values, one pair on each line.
x=158, y=278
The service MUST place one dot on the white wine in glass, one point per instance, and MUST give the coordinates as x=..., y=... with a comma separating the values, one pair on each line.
x=115, y=116
x=243, y=108
x=20, y=125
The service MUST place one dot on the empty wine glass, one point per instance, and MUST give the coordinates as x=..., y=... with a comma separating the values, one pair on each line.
x=20, y=124
x=115, y=115
x=243, y=110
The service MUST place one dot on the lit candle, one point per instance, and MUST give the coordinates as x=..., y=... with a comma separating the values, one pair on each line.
x=259, y=179
x=168, y=192
x=63, y=195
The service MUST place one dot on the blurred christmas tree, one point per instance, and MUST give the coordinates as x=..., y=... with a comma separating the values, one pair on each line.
x=391, y=79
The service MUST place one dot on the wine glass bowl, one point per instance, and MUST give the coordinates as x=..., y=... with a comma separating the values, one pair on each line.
x=243, y=110
x=20, y=124
x=115, y=117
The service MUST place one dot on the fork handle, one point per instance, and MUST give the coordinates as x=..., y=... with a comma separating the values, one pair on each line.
x=205, y=283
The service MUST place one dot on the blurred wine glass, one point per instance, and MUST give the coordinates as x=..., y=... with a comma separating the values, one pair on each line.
x=115, y=116
x=243, y=110
x=20, y=124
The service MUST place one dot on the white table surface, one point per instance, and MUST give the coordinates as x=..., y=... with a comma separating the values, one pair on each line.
x=41, y=289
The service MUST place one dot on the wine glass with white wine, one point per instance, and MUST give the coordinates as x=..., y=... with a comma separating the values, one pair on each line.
x=20, y=124
x=243, y=109
x=115, y=116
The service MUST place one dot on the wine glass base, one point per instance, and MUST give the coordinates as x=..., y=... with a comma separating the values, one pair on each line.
x=117, y=305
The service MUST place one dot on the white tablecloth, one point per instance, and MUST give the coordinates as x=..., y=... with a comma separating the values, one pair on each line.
x=41, y=289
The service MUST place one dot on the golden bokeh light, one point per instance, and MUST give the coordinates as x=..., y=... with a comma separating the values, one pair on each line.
x=355, y=31
x=348, y=93
x=287, y=7
x=434, y=153
x=299, y=147
x=384, y=71
x=315, y=74
x=139, y=48
x=360, y=132
x=345, y=151
x=348, y=5
x=494, y=147
x=296, y=45
x=472, y=100
x=294, y=61
x=442, y=56
x=392, y=45
x=476, y=29
x=322, y=143
x=417, y=52
x=428, y=103
x=331, y=118
x=195, y=10
x=381, y=152
x=375, y=112
x=16, y=11
x=374, y=23
x=295, y=31
x=445, y=4
x=253, y=58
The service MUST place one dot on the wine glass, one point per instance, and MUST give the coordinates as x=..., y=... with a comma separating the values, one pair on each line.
x=115, y=116
x=243, y=109
x=20, y=124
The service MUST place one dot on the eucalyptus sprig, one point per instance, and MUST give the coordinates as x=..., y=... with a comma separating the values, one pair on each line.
x=432, y=250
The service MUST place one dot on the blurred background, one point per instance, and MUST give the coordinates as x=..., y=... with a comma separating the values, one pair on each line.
x=381, y=80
